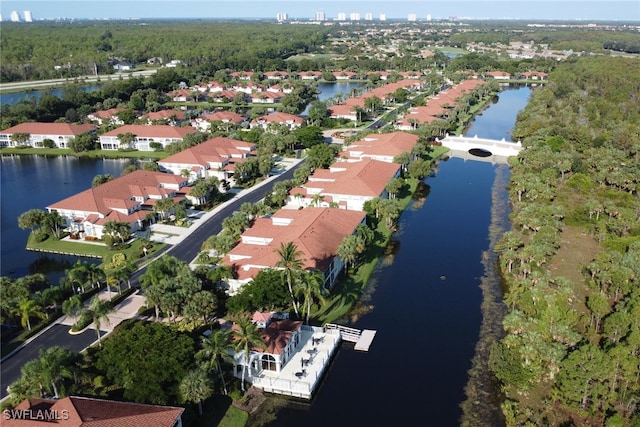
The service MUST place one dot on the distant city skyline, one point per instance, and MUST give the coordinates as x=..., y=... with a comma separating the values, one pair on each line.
x=584, y=10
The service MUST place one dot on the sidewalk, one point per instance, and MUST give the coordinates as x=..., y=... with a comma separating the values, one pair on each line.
x=126, y=309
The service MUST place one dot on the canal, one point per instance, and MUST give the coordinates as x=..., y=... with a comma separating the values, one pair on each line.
x=425, y=303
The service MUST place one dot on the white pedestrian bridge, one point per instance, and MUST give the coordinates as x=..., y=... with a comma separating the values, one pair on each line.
x=481, y=149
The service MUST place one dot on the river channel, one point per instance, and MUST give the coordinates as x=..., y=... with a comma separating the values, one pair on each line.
x=425, y=302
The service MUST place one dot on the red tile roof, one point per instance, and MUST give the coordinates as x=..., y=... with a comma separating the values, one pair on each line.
x=383, y=145
x=215, y=150
x=117, y=193
x=153, y=131
x=363, y=178
x=317, y=233
x=38, y=128
x=89, y=412
x=277, y=335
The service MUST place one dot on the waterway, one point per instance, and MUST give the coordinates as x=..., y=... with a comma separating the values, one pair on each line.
x=425, y=302
x=329, y=90
x=13, y=98
x=33, y=182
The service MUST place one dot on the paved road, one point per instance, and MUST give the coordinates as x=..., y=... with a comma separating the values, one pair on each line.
x=39, y=84
x=55, y=335
x=186, y=250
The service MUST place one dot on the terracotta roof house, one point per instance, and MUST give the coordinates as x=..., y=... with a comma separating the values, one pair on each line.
x=267, y=97
x=292, y=121
x=347, y=110
x=106, y=117
x=345, y=75
x=226, y=96
x=316, y=232
x=76, y=411
x=37, y=132
x=129, y=198
x=497, y=75
x=533, y=75
x=242, y=75
x=309, y=75
x=381, y=146
x=347, y=185
x=276, y=75
x=170, y=117
x=214, y=157
x=280, y=339
x=181, y=95
x=438, y=107
x=204, y=122
x=144, y=135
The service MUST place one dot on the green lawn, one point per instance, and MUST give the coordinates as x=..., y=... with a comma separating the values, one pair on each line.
x=132, y=251
x=98, y=154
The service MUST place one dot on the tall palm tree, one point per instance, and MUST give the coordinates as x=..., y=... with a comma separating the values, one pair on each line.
x=55, y=365
x=78, y=276
x=247, y=336
x=214, y=352
x=310, y=288
x=26, y=309
x=291, y=263
x=195, y=387
x=71, y=306
x=99, y=310
x=95, y=273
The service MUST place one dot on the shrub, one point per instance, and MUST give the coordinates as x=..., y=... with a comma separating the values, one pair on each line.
x=84, y=321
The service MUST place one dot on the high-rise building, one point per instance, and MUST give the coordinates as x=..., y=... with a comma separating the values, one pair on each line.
x=354, y=16
x=15, y=16
x=282, y=17
x=429, y=17
x=412, y=17
x=368, y=16
x=320, y=16
x=342, y=16
x=27, y=16
x=383, y=16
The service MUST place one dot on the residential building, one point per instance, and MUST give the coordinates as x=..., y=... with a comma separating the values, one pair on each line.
x=106, y=117
x=290, y=120
x=347, y=185
x=215, y=157
x=76, y=411
x=36, y=132
x=129, y=198
x=204, y=122
x=170, y=117
x=381, y=146
x=144, y=136
x=316, y=232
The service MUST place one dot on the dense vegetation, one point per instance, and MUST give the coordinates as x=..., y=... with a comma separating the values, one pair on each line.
x=571, y=354
x=29, y=52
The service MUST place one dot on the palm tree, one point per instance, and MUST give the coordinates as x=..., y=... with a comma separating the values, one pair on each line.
x=247, y=337
x=291, y=263
x=214, y=352
x=55, y=365
x=26, y=309
x=78, y=275
x=71, y=306
x=99, y=310
x=95, y=274
x=195, y=387
x=310, y=287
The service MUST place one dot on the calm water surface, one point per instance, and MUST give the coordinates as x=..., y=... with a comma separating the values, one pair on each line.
x=426, y=304
x=33, y=182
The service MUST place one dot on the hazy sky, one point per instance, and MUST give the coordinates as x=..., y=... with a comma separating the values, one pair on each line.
x=621, y=10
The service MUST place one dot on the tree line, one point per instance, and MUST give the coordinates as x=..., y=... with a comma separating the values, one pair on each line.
x=571, y=263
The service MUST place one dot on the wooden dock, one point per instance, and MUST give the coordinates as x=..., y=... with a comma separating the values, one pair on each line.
x=361, y=338
x=366, y=338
